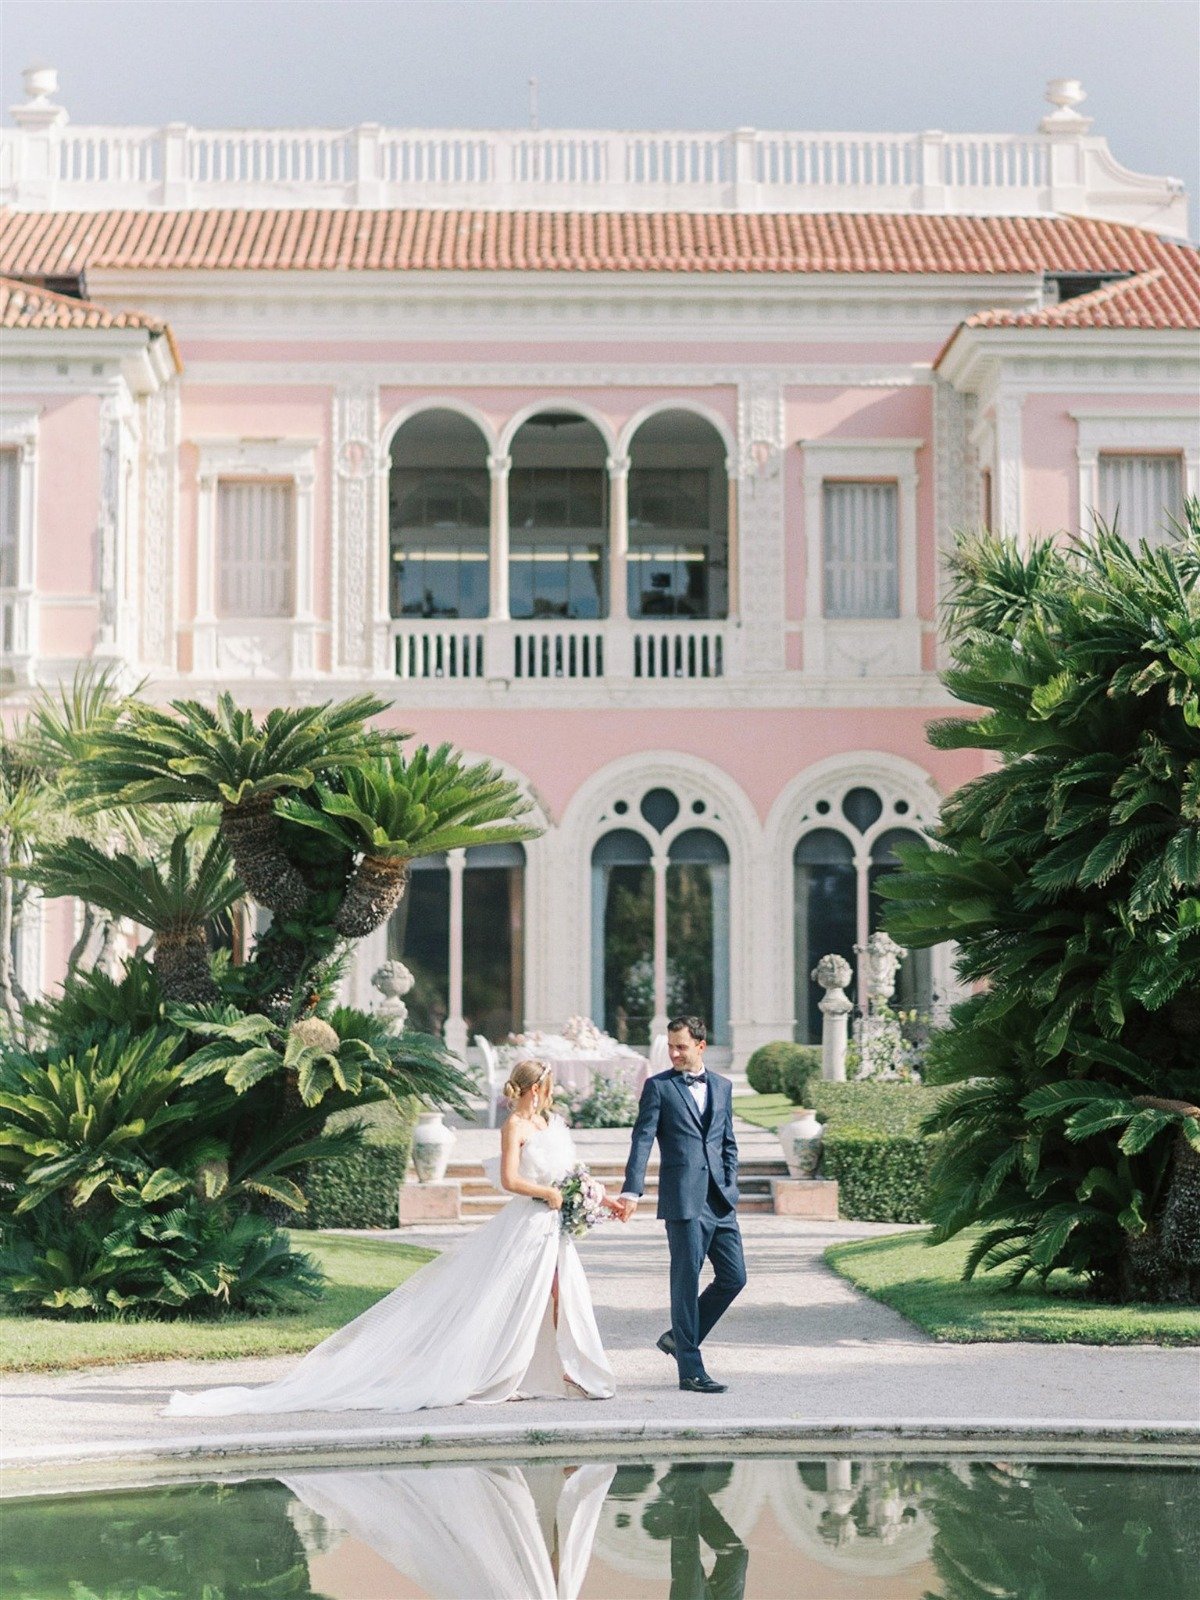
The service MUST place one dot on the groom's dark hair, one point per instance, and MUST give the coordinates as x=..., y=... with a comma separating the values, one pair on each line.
x=695, y=1026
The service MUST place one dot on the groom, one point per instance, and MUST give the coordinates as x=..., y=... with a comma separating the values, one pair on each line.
x=688, y=1110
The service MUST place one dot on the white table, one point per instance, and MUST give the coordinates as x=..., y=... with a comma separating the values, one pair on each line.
x=573, y=1069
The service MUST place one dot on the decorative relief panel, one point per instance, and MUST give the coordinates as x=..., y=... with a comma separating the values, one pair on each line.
x=356, y=495
x=160, y=499
x=108, y=521
x=761, y=531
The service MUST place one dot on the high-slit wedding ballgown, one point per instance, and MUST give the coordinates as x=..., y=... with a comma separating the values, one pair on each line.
x=475, y=1324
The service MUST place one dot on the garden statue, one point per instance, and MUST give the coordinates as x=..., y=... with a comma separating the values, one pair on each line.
x=393, y=980
x=833, y=973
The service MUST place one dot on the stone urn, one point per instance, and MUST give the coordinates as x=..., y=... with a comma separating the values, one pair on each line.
x=801, y=1140
x=431, y=1145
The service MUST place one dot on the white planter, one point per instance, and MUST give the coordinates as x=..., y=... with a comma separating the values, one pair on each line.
x=801, y=1141
x=431, y=1145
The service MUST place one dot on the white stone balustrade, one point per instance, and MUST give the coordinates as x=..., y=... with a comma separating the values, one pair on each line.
x=45, y=163
x=497, y=648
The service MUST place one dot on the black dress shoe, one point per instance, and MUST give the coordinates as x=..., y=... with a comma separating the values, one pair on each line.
x=667, y=1343
x=702, y=1385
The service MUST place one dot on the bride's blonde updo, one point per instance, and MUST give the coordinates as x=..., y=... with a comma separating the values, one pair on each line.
x=527, y=1074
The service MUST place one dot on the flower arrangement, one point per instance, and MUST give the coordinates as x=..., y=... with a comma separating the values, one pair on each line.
x=583, y=1033
x=583, y=1201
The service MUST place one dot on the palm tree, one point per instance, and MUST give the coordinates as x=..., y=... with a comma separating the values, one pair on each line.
x=190, y=753
x=176, y=901
x=392, y=808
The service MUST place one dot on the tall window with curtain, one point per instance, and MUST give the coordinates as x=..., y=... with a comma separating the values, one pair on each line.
x=255, y=549
x=1141, y=494
x=861, y=550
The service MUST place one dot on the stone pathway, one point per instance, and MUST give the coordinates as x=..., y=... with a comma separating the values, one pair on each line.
x=800, y=1346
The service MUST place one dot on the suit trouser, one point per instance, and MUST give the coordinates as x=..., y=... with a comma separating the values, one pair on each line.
x=713, y=1235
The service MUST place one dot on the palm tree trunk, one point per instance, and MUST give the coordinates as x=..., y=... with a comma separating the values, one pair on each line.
x=252, y=834
x=181, y=961
x=374, y=892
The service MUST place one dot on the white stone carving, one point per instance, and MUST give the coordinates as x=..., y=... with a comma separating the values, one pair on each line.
x=160, y=511
x=760, y=521
x=359, y=490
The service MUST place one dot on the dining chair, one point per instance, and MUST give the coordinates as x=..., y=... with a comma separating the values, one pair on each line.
x=493, y=1077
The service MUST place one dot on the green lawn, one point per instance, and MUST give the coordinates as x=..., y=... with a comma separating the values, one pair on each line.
x=924, y=1284
x=360, y=1271
x=768, y=1111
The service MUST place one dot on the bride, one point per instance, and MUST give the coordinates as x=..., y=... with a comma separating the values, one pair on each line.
x=507, y=1315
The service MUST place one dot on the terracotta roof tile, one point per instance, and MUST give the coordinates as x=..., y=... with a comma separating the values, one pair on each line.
x=1154, y=299
x=55, y=243
x=23, y=305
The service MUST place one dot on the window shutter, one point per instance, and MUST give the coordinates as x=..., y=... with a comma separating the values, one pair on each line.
x=9, y=487
x=1139, y=493
x=862, y=576
x=255, y=544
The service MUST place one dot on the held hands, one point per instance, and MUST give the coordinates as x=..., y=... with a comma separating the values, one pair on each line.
x=622, y=1207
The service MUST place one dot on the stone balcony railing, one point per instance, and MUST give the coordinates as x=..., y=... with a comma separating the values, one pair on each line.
x=495, y=650
x=47, y=164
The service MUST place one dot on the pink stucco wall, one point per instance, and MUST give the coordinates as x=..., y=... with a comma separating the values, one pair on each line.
x=762, y=751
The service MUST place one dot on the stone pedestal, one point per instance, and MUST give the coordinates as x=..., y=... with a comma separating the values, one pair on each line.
x=431, y=1202
x=805, y=1197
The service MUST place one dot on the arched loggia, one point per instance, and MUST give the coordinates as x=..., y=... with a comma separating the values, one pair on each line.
x=438, y=517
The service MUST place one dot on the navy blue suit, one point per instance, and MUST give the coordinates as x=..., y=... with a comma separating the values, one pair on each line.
x=697, y=1199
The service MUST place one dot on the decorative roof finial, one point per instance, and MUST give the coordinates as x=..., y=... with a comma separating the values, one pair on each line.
x=39, y=110
x=1064, y=94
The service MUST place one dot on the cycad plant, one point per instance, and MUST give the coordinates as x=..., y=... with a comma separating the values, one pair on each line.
x=1069, y=877
x=394, y=807
x=229, y=758
x=175, y=900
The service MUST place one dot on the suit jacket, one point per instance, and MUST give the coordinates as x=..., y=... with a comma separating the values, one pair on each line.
x=691, y=1148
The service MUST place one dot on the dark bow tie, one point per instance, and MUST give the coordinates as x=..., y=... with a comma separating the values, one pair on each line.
x=695, y=1077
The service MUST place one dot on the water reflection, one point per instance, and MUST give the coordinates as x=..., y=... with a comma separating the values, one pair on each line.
x=871, y=1529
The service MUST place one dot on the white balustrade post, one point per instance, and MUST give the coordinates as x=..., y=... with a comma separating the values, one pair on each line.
x=833, y=973
x=35, y=158
x=176, y=178
x=931, y=177
x=455, y=1030
x=745, y=181
x=367, y=177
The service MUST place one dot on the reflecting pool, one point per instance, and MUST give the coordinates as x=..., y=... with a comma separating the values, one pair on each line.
x=751, y=1529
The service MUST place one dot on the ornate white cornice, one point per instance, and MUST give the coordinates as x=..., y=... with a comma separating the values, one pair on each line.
x=587, y=377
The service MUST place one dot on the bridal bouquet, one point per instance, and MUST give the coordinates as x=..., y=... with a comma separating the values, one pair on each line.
x=583, y=1201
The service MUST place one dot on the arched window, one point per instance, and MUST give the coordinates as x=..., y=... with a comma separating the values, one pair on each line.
x=698, y=928
x=623, y=934
x=660, y=919
x=914, y=981
x=558, y=518
x=438, y=517
x=825, y=916
x=678, y=563
x=460, y=930
x=837, y=865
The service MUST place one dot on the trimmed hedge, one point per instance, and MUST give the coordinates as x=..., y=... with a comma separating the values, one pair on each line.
x=874, y=1147
x=362, y=1189
x=784, y=1068
x=878, y=1107
x=882, y=1177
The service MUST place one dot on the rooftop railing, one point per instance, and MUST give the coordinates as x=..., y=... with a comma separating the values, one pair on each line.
x=45, y=163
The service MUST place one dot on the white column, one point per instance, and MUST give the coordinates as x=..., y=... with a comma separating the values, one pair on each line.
x=455, y=1031
x=732, y=553
x=1006, y=480
x=204, y=622
x=618, y=538
x=658, y=1023
x=498, y=605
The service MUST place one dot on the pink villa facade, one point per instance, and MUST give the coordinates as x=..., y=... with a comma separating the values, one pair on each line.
x=627, y=461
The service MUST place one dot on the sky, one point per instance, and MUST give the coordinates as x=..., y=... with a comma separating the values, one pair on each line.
x=870, y=65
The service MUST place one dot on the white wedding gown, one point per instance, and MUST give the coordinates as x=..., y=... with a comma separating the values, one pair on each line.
x=475, y=1324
